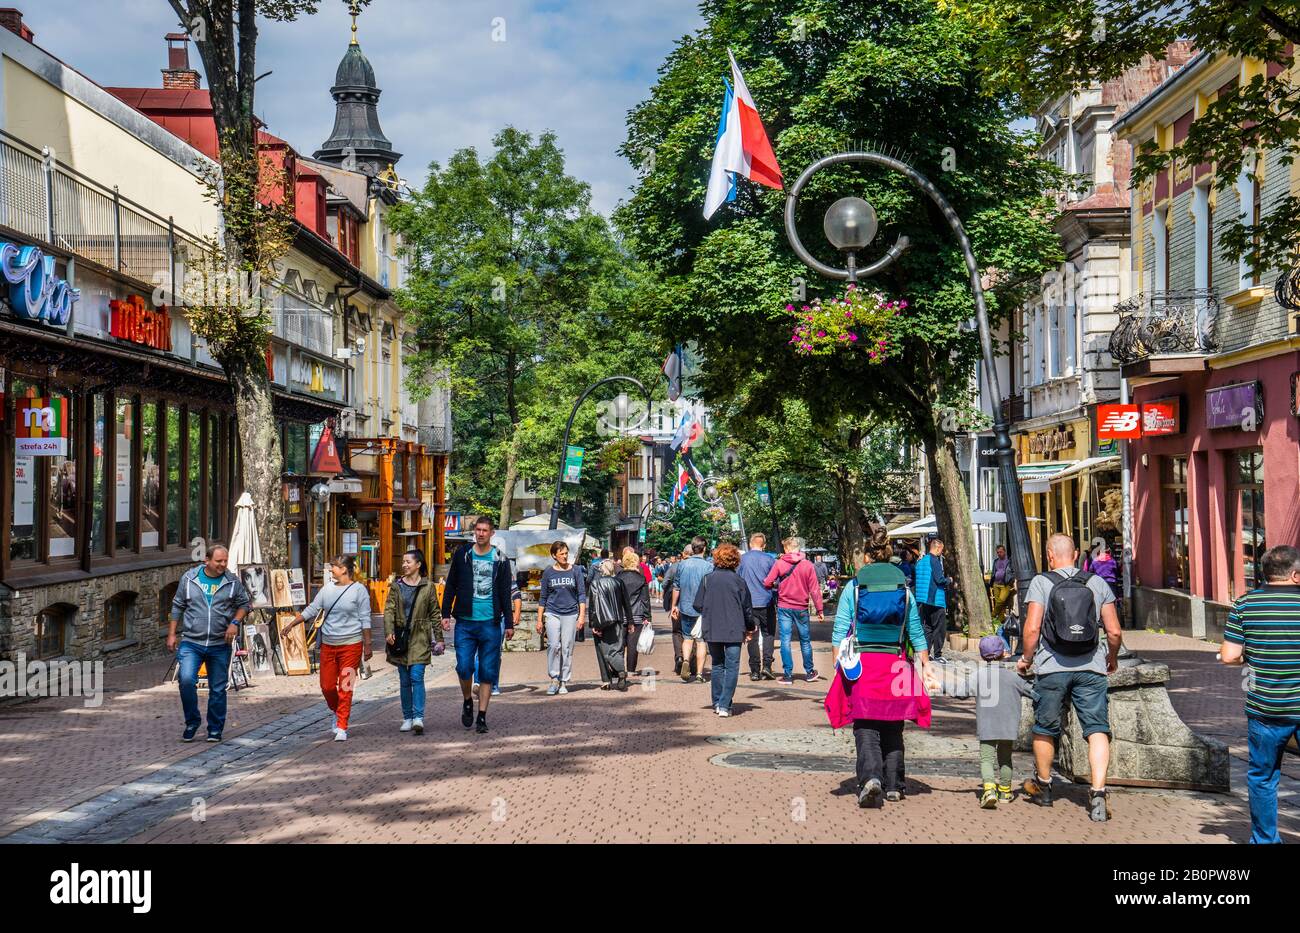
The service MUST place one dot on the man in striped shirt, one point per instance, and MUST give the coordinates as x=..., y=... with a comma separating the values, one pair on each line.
x=1264, y=631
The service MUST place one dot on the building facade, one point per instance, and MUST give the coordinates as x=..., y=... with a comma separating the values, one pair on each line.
x=1211, y=358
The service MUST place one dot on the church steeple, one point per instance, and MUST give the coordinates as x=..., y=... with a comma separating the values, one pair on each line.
x=357, y=135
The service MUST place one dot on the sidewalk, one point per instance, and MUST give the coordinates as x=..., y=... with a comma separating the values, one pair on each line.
x=651, y=765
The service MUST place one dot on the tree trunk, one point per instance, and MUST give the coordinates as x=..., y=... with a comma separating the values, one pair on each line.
x=259, y=443
x=852, y=531
x=952, y=512
x=512, y=477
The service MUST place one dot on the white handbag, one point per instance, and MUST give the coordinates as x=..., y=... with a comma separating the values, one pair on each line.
x=697, y=630
x=645, y=642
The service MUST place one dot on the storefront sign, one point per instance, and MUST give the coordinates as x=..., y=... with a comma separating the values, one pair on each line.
x=451, y=523
x=35, y=292
x=1235, y=406
x=42, y=427
x=344, y=485
x=133, y=320
x=1162, y=417
x=315, y=377
x=325, y=458
x=1049, y=442
x=1118, y=422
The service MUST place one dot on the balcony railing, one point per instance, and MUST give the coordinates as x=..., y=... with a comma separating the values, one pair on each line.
x=50, y=202
x=436, y=438
x=1013, y=409
x=1165, y=323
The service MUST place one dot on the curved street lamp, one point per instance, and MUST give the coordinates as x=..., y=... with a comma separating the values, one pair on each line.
x=850, y=224
x=564, y=447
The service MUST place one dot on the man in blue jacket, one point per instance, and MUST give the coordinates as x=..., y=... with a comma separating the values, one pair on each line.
x=754, y=566
x=210, y=603
x=477, y=595
x=932, y=597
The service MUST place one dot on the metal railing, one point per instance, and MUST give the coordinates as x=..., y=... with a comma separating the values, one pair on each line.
x=436, y=438
x=46, y=200
x=1165, y=323
x=1013, y=409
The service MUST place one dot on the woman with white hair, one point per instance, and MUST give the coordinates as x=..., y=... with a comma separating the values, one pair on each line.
x=610, y=617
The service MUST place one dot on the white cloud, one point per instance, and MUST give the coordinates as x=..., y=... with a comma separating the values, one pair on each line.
x=575, y=67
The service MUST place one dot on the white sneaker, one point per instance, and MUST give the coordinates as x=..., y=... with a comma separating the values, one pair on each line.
x=406, y=726
x=341, y=735
x=564, y=688
x=418, y=725
x=724, y=713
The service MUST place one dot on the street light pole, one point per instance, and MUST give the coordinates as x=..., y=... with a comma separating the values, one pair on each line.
x=564, y=447
x=1013, y=504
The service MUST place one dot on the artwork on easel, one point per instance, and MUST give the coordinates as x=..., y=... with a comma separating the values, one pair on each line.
x=238, y=673
x=258, y=584
x=293, y=645
x=281, y=596
x=257, y=642
x=297, y=588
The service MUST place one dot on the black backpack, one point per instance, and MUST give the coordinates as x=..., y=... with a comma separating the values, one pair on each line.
x=1070, y=625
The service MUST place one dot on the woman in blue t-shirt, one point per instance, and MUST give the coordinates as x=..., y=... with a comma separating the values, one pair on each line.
x=562, y=613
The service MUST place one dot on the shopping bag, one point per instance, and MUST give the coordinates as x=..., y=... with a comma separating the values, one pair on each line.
x=645, y=642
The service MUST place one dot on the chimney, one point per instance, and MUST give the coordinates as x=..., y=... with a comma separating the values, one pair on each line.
x=178, y=73
x=12, y=20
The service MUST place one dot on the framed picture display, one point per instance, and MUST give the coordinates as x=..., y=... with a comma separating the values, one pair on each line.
x=281, y=597
x=294, y=645
x=258, y=583
x=297, y=587
x=257, y=642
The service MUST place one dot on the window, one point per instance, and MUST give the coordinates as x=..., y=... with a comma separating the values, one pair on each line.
x=98, y=474
x=28, y=507
x=1173, y=508
x=175, y=470
x=1245, y=519
x=1054, y=343
x=214, y=476
x=1204, y=237
x=61, y=473
x=165, y=597
x=52, y=624
x=119, y=615
x=635, y=503
x=1160, y=238
x=124, y=476
x=151, y=433
x=295, y=448
x=194, y=472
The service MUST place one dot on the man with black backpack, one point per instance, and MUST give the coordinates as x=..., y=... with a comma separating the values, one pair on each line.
x=1066, y=612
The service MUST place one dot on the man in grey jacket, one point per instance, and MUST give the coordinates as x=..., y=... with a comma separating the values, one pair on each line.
x=210, y=603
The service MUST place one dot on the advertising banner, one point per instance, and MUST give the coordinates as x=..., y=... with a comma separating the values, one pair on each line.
x=1118, y=422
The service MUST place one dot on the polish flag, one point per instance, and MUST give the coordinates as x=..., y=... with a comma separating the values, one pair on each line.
x=742, y=148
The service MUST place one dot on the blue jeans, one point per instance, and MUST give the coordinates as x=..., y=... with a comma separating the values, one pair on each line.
x=478, y=645
x=1266, y=739
x=785, y=620
x=726, y=670
x=410, y=679
x=217, y=657
x=478, y=661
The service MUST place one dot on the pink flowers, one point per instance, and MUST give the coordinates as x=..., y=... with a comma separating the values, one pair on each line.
x=836, y=324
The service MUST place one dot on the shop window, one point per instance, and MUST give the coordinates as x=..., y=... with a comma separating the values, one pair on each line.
x=175, y=470
x=165, y=597
x=28, y=506
x=151, y=433
x=61, y=472
x=124, y=476
x=1245, y=519
x=295, y=448
x=52, y=629
x=399, y=476
x=1174, y=516
x=98, y=474
x=194, y=474
x=119, y=616
x=214, y=478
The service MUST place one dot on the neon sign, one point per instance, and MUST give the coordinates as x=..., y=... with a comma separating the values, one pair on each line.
x=35, y=292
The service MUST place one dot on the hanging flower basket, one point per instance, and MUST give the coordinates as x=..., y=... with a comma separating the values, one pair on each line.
x=715, y=513
x=861, y=321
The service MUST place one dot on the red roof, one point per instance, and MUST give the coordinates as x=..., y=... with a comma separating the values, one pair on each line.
x=163, y=98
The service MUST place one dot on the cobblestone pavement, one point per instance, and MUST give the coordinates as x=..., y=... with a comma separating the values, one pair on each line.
x=651, y=765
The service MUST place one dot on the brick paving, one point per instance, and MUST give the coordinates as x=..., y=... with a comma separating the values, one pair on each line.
x=653, y=765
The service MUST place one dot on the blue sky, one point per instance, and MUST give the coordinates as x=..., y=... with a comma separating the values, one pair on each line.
x=573, y=66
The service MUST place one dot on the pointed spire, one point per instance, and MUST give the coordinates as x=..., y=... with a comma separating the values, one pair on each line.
x=358, y=142
x=354, y=7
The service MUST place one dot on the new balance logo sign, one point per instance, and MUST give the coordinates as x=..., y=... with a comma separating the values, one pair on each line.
x=78, y=886
x=1118, y=421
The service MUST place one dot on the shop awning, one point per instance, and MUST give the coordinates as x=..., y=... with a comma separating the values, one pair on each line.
x=1086, y=466
x=1038, y=477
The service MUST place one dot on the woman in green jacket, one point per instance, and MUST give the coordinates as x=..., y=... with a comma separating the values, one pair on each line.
x=413, y=604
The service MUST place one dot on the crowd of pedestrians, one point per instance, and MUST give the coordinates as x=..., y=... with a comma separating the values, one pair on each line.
x=890, y=626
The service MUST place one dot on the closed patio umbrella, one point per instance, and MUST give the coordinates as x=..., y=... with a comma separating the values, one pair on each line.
x=245, y=548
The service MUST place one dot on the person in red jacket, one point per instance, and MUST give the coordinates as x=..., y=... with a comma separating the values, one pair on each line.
x=796, y=583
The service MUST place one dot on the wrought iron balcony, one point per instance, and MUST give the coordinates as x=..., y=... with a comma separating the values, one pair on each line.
x=436, y=439
x=1165, y=323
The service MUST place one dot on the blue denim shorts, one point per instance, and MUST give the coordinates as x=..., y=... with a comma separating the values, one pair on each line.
x=481, y=639
x=1086, y=691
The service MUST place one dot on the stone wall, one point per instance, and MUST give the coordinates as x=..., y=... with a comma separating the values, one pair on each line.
x=84, y=633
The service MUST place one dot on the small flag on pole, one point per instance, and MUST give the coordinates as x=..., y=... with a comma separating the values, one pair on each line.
x=742, y=147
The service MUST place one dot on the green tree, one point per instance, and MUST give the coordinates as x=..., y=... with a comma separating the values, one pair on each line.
x=824, y=74
x=525, y=297
x=1038, y=49
x=256, y=203
x=687, y=520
